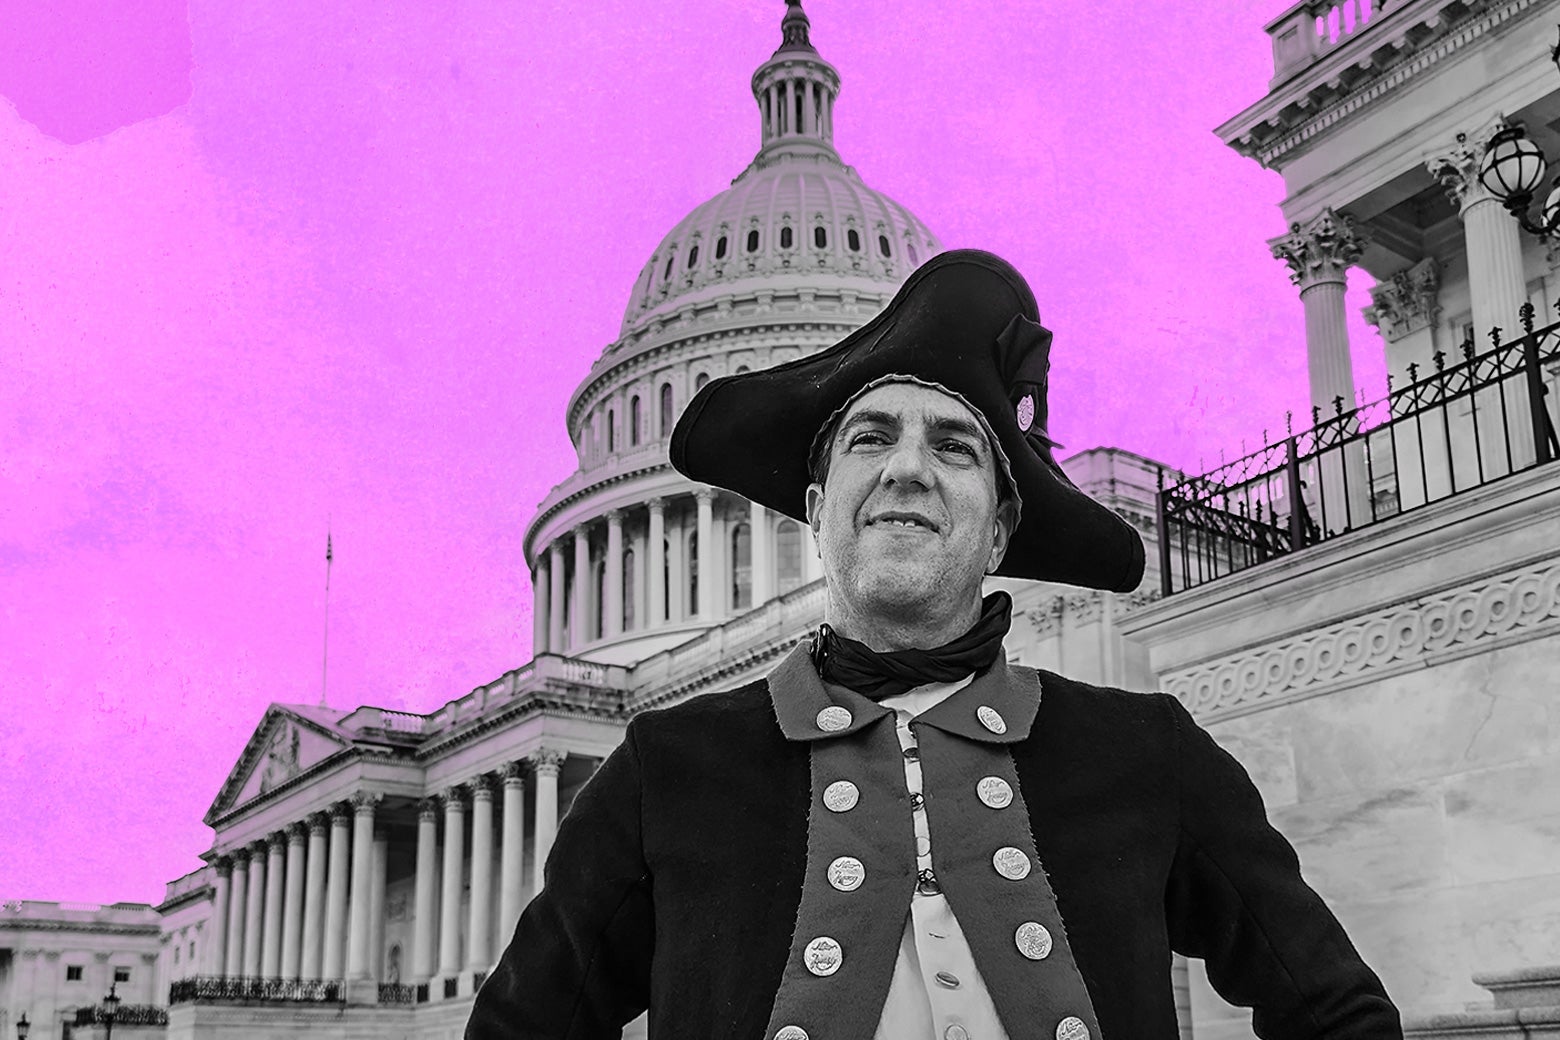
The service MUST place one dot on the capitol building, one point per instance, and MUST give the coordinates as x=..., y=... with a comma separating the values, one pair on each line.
x=1365, y=612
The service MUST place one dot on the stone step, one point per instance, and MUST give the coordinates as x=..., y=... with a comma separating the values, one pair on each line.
x=1536, y=987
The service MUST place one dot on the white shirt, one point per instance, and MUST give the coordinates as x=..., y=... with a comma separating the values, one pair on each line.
x=936, y=992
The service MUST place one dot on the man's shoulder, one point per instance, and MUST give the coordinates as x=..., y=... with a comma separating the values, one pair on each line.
x=745, y=708
x=1062, y=697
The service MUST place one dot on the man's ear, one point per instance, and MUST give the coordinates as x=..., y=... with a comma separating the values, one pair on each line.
x=1006, y=524
x=814, y=505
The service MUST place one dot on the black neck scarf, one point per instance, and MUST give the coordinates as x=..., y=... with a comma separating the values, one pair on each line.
x=856, y=666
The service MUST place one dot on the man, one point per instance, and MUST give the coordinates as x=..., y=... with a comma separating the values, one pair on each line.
x=897, y=834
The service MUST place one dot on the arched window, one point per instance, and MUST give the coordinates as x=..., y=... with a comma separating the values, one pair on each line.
x=693, y=572
x=666, y=409
x=611, y=430
x=788, y=556
x=910, y=247
x=600, y=585
x=883, y=245
x=720, y=248
x=785, y=238
x=693, y=257
x=393, y=965
x=633, y=419
x=741, y=369
x=853, y=240
x=741, y=567
x=628, y=589
x=820, y=237
x=699, y=381
x=668, y=272
x=752, y=242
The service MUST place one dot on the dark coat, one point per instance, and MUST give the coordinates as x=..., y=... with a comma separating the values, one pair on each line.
x=675, y=880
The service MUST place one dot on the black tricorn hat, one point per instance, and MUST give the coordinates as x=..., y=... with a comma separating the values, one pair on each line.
x=965, y=320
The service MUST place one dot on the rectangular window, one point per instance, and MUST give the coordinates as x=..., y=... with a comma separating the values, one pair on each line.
x=121, y=974
x=72, y=973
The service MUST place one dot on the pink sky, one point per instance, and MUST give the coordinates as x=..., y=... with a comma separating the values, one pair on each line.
x=267, y=265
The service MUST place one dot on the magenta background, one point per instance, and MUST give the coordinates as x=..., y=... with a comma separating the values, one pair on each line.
x=264, y=267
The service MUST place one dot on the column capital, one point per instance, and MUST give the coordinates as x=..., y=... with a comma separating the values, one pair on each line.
x=704, y=494
x=260, y=848
x=277, y=839
x=240, y=858
x=481, y=787
x=340, y=814
x=555, y=549
x=513, y=774
x=1407, y=301
x=581, y=530
x=454, y=798
x=428, y=809
x=319, y=823
x=297, y=832
x=657, y=504
x=1456, y=166
x=547, y=761
x=1320, y=250
x=224, y=866
x=364, y=802
x=614, y=516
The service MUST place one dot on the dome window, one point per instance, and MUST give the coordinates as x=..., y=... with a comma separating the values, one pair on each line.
x=611, y=431
x=853, y=240
x=693, y=257
x=699, y=381
x=911, y=247
x=633, y=420
x=785, y=238
x=883, y=246
x=820, y=237
x=752, y=242
x=666, y=409
x=720, y=248
x=668, y=272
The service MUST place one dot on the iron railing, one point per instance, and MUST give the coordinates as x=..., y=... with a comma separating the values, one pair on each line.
x=1462, y=426
x=396, y=993
x=218, y=989
x=127, y=1015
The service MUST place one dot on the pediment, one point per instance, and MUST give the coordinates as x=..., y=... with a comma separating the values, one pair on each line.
x=286, y=744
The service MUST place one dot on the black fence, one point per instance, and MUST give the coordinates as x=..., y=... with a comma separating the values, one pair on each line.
x=219, y=989
x=1461, y=426
x=395, y=993
x=126, y=1015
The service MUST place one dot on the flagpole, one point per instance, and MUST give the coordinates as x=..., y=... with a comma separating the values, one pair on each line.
x=325, y=653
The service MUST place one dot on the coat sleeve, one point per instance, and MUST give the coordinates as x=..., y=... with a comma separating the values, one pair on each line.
x=578, y=966
x=1235, y=898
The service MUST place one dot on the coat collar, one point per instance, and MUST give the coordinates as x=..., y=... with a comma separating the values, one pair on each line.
x=1005, y=694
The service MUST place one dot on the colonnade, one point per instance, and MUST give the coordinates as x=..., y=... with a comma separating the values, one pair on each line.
x=308, y=901
x=669, y=561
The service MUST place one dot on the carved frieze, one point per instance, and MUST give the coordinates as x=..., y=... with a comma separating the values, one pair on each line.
x=1407, y=301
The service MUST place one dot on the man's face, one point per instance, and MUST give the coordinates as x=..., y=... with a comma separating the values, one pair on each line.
x=908, y=522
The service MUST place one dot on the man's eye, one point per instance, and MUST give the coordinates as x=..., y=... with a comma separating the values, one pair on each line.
x=868, y=437
x=958, y=447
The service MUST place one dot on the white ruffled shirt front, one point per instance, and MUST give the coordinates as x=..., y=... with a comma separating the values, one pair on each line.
x=936, y=992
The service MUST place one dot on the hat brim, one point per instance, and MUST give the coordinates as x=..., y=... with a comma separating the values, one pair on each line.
x=751, y=433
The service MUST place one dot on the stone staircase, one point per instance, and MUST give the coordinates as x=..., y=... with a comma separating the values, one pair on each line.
x=1526, y=1006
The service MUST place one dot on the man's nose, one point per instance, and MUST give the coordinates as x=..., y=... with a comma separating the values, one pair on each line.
x=907, y=464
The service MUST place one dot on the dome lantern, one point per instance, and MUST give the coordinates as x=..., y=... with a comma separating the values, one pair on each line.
x=795, y=90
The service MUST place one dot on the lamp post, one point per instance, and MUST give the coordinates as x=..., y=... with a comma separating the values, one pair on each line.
x=1513, y=169
x=23, y=1027
x=110, y=1009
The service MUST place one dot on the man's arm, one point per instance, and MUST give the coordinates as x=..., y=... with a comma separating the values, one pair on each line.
x=1236, y=899
x=578, y=967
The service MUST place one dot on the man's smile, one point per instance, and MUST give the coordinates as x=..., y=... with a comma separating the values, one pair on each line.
x=903, y=521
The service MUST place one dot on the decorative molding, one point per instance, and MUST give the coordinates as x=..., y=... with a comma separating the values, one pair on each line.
x=1321, y=250
x=1471, y=618
x=1457, y=165
x=1407, y=301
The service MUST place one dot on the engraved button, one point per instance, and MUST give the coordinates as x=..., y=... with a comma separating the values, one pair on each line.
x=791, y=1033
x=927, y=884
x=823, y=956
x=847, y=873
x=947, y=978
x=1011, y=863
x=912, y=754
x=834, y=718
x=991, y=719
x=916, y=801
x=956, y=1032
x=1025, y=412
x=841, y=796
x=1072, y=1028
x=994, y=792
x=1033, y=940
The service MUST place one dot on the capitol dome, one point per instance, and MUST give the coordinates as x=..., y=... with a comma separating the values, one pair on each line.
x=628, y=557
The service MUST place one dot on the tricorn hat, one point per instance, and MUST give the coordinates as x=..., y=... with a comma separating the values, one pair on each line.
x=967, y=321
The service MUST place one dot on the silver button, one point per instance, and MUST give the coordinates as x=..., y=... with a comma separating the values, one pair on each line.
x=847, y=873
x=1033, y=940
x=1072, y=1028
x=791, y=1033
x=1011, y=863
x=823, y=956
x=947, y=978
x=956, y=1032
x=994, y=792
x=841, y=796
x=990, y=719
x=834, y=718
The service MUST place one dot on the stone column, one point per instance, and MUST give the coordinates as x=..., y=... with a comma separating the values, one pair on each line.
x=545, y=764
x=541, y=607
x=254, y=909
x=705, y=560
x=271, y=944
x=449, y=908
x=238, y=900
x=423, y=891
x=479, y=929
x=314, y=899
x=677, y=575
x=511, y=852
x=363, y=803
x=336, y=893
x=555, y=577
x=579, y=614
x=376, y=904
x=1497, y=289
x=612, y=609
x=292, y=911
x=213, y=957
x=655, y=612
x=762, y=565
